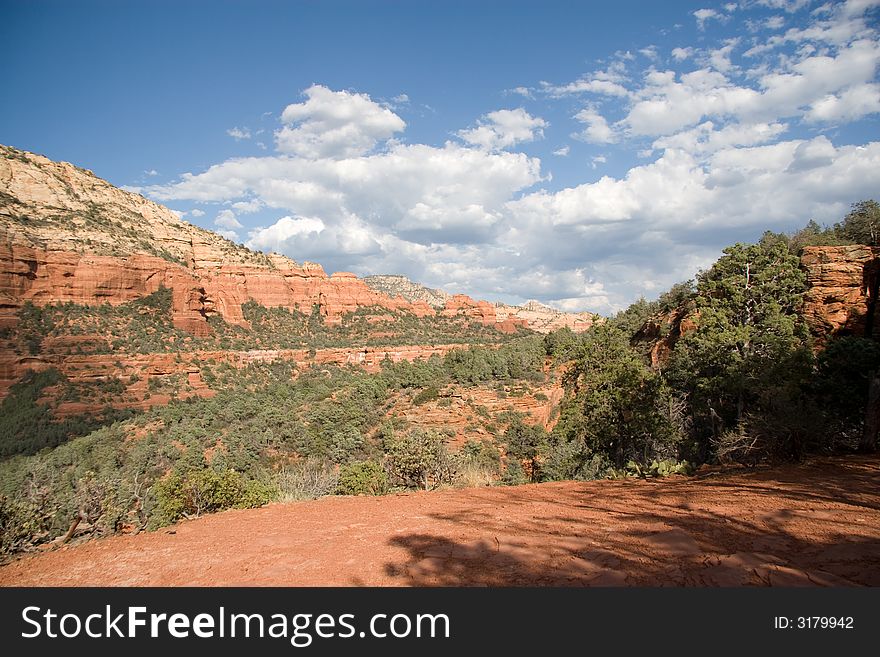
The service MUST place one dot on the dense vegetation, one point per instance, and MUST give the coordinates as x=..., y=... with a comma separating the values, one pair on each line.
x=145, y=326
x=745, y=385
x=270, y=433
x=29, y=423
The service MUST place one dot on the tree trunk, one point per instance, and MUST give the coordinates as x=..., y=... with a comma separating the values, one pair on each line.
x=73, y=526
x=872, y=416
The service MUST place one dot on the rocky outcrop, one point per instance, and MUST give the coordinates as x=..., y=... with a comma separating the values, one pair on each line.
x=842, y=290
x=395, y=285
x=545, y=319
x=532, y=315
x=47, y=276
x=463, y=411
x=462, y=305
x=42, y=276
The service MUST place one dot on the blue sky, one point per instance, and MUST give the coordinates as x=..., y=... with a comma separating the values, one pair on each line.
x=578, y=153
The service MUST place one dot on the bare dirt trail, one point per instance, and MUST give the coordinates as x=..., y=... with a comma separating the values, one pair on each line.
x=816, y=523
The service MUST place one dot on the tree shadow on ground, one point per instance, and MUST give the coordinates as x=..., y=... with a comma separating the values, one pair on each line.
x=801, y=525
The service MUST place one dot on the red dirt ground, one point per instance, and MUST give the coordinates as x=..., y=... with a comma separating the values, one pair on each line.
x=816, y=523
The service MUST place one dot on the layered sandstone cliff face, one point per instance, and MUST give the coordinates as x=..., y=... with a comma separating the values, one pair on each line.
x=843, y=285
x=66, y=235
x=545, y=319
x=533, y=315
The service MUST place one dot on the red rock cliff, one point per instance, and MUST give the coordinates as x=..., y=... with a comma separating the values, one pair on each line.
x=843, y=285
x=66, y=235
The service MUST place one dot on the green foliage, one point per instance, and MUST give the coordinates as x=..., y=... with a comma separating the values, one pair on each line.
x=841, y=383
x=812, y=234
x=562, y=460
x=561, y=344
x=140, y=326
x=514, y=474
x=418, y=459
x=862, y=224
x=426, y=395
x=618, y=406
x=34, y=324
x=22, y=525
x=522, y=358
x=480, y=453
x=663, y=468
x=362, y=478
x=679, y=296
x=204, y=491
x=634, y=317
x=751, y=348
x=27, y=426
x=524, y=444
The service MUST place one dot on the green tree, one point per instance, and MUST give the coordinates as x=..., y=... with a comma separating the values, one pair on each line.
x=618, y=405
x=680, y=295
x=750, y=351
x=843, y=374
x=418, y=458
x=862, y=224
x=525, y=443
x=634, y=317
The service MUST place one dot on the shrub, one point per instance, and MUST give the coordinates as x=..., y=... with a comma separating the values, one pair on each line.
x=736, y=445
x=307, y=479
x=362, y=478
x=514, y=475
x=424, y=396
x=572, y=460
x=419, y=459
x=662, y=468
x=204, y=491
x=21, y=525
x=477, y=464
x=525, y=443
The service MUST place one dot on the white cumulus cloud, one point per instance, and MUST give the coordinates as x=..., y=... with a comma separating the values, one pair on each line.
x=722, y=144
x=226, y=219
x=597, y=130
x=504, y=128
x=335, y=124
x=704, y=15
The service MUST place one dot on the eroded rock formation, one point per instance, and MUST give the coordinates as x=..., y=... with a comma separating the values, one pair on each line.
x=843, y=284
x=66, y=235
x=545, y=319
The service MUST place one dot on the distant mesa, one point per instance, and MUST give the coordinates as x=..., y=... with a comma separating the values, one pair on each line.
x=533, y=314
x=395, y=285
